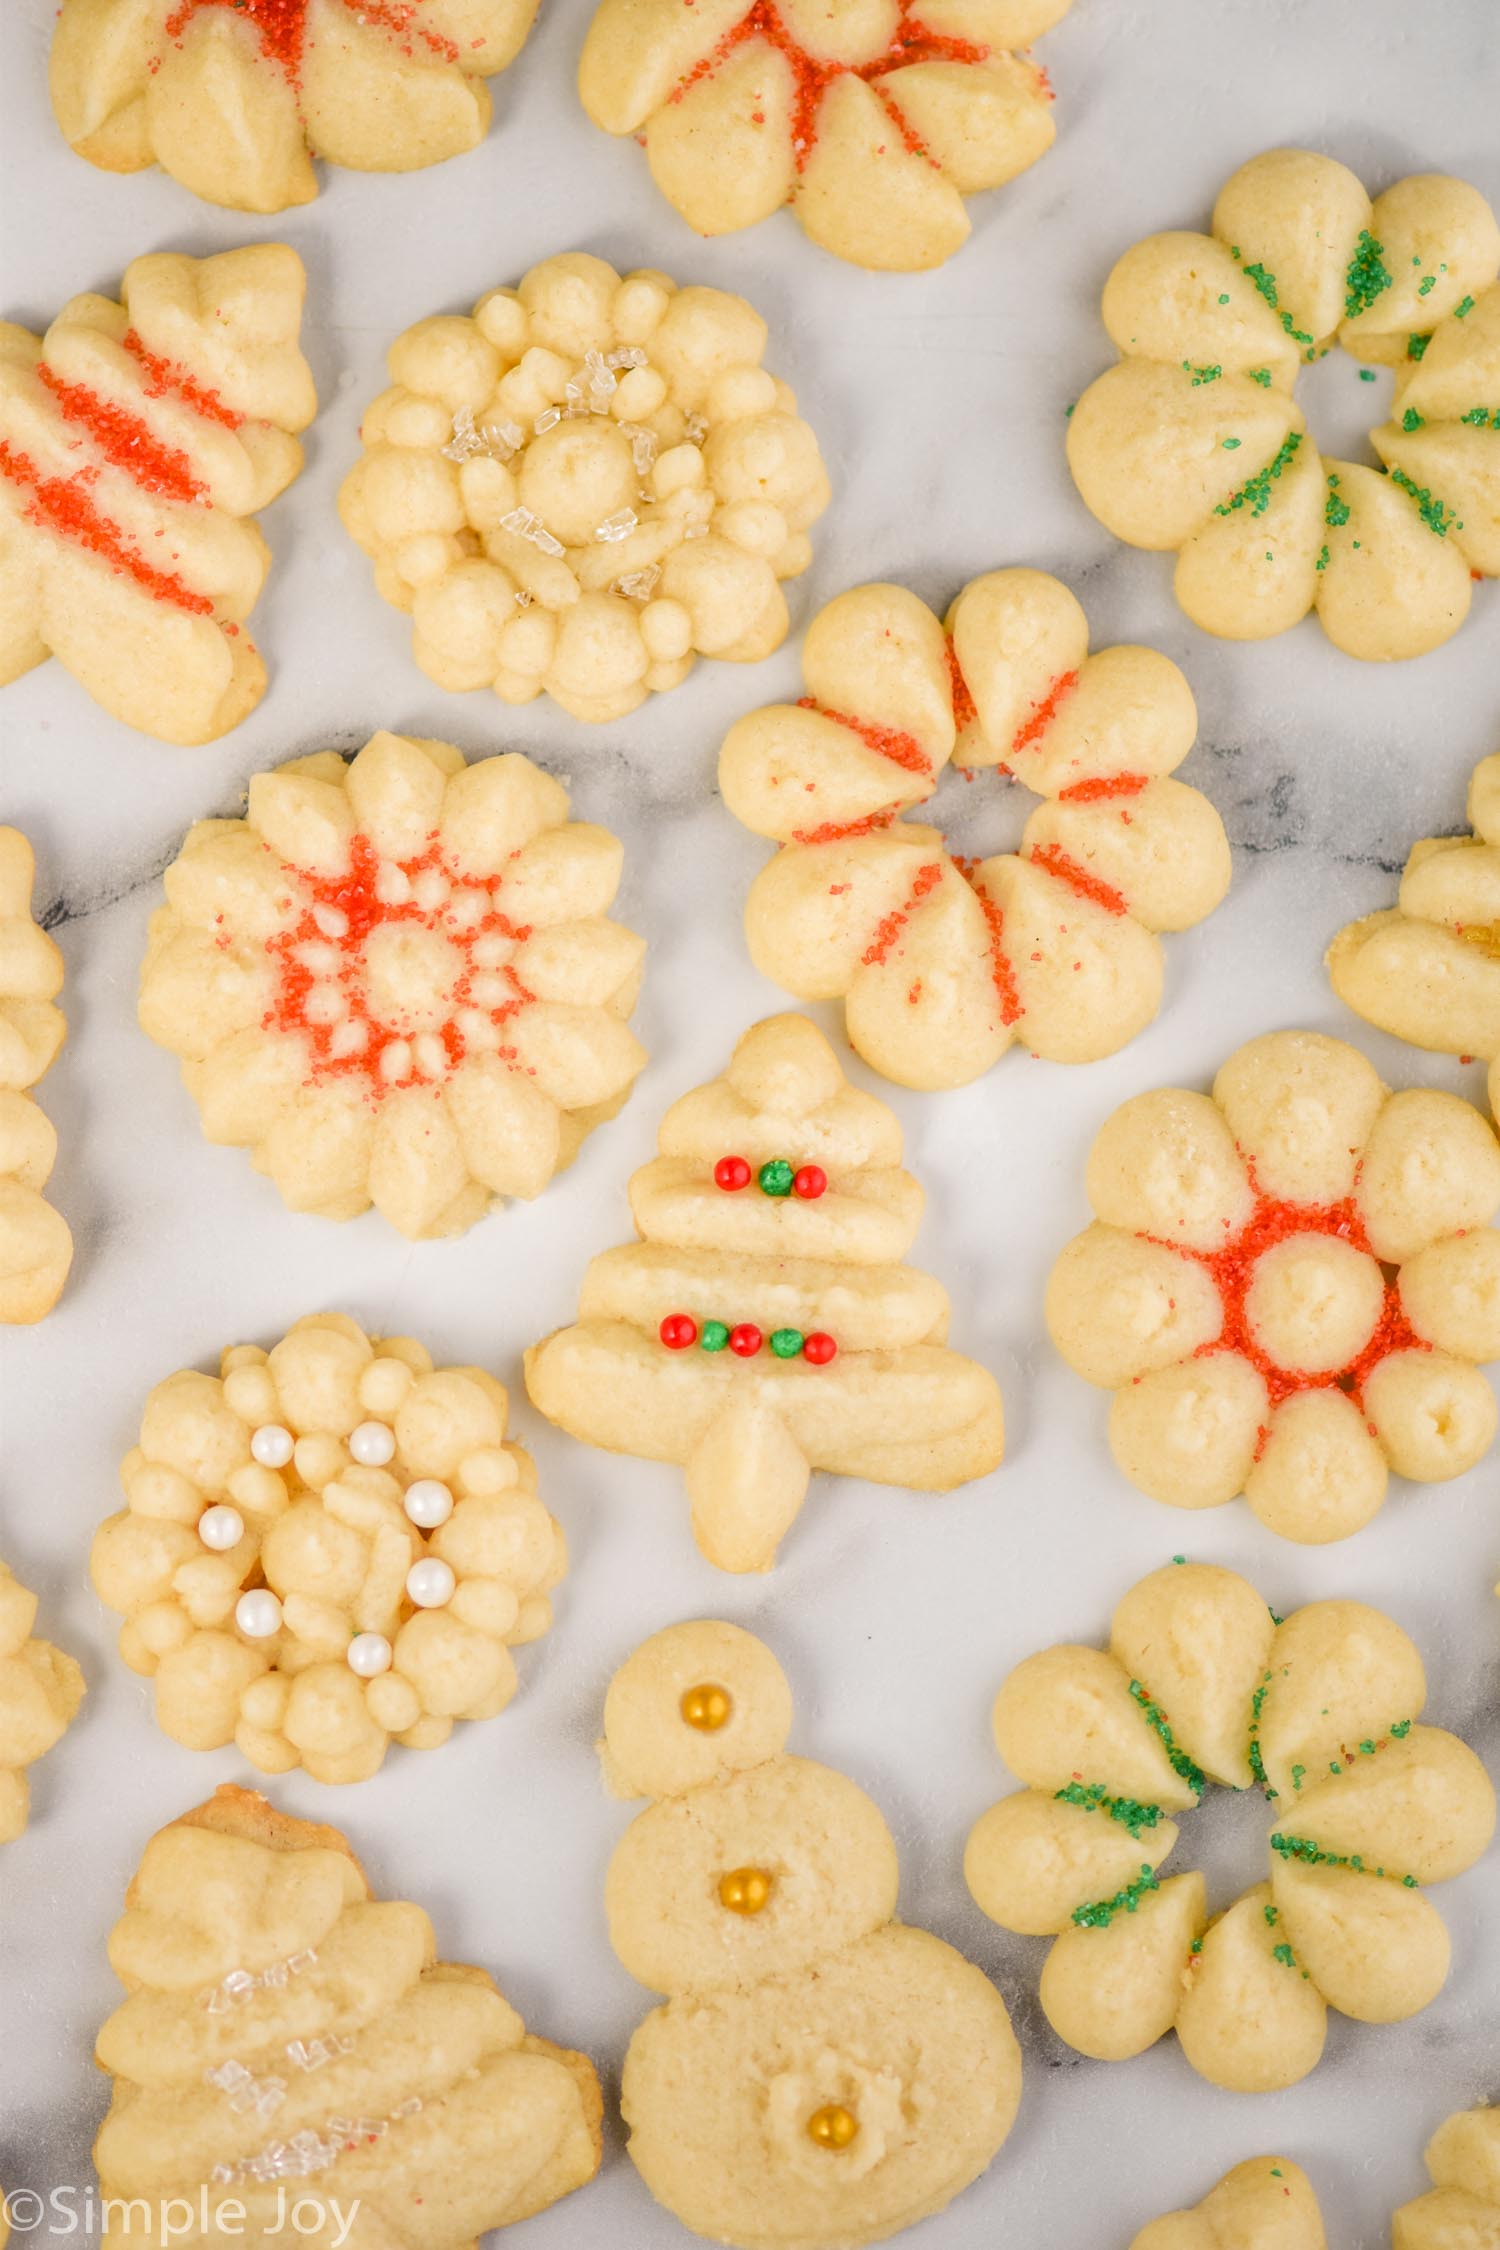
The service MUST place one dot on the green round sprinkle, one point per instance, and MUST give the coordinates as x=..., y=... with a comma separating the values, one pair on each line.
x=786, y=1343
x=1231, y=445
x=776, y=1177
x=713, y=1335
x=1367, y=374
x=1223, y=300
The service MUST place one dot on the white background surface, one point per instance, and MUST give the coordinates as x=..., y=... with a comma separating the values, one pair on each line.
x=939, y=400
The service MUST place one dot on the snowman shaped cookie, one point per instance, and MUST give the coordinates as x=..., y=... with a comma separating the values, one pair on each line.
x=819, y=2074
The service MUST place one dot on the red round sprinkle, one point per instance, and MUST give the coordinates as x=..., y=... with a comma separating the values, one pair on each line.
x=818, y=1347
x=810, y=1182
x=746, y=1340
x=731, y=1173
x=678, y=1330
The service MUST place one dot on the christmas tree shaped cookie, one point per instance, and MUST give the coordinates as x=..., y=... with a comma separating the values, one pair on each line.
x=40, y=1691
x=765, y=1325
x=819, y=2074
x=288, y=2037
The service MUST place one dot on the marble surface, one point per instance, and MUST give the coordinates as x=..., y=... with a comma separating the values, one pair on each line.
x=940, y=402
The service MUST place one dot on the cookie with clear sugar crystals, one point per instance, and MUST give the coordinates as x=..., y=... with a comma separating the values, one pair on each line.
x=874, y=120
x=138, y=440
x=1201, y=1684
x=36, y=1247
x=766, y=1324
x=1462, y=2209
x=819, y=2075
x=1289, y=1287
x=585, y=486
x=326, y=1546
x=395, y=982
x=1266, y=2203
x=40, y=1691
x=235, y=98
x=289, y=2040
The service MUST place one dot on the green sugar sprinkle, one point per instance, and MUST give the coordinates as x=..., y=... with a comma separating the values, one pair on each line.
x=1196, y=1947
x=1367, y=374
x=1255, y=492
x=1416, y=345
x=1322, y=561
x=1202, y=375
x=1231, y=445
x=1102, y=1911
x=1335, y=510
x=1265, y=282
x=1481, y=418
x=1461, y=310
x=1261, y=375
x=1311, y=1855
x=1068, y=411
x=1257, y=1763
x=1179, y=1558
x=1400, y=1732
x=1435, y=513
x=1271, y=1915
x=1288, y=1960
x=1092, y=1796
x=1412, y=420
x=1299, y=1771
x=1366, y=277
x=1223, y=300
x=1426, y=285
x=1181, y=1764
x=1274, y=1615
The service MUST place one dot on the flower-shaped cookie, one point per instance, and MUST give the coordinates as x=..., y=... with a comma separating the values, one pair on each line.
x=395, y=983
x=941, y=961
x=40, y=1691
x=36, y=1248
x=1462, y=2212
x=293, y=2061
x=1202, y=1683
x=1287, y=1287
x=234, y=98
x=1195, y=441
x=137, y=441
x=820, y=2075
x=874, y=120
x=324, y=1546
x=1266, y=2203
x=584, y=487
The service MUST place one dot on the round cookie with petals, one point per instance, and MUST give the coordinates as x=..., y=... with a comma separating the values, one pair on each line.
x=942, y=961
x=1195, y=443
x=874, y=121
x=1202, y=1684
x=40, y=1691
x=1462, y=2209
x=1266, y=2203
x=235, y=98
x=326, y=1546
x=1289, y=1287
x=585, y=486
x=395, y=981
x=36, y=1246
x=819, y=2075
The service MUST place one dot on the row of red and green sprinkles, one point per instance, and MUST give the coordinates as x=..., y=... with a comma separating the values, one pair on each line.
x=1092, y=1796
x=776, y=1178
x=1155, y=1718
x=1309, y=1854
x=1100, y=1912
x=679, y=1332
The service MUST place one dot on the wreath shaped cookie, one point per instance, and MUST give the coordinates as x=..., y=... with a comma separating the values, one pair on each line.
x=1287, y=1287
x=943, y=962
x=395, y=983
x=1266, y=2203
x=1202, y=1684
x=292, y=2059
x=234, y=98
x=1195, y=442
x=820, y=2075
x=40, y=1691
x=874, y=122
x=326, y=1545
x=1462, y=2212
x=36, y=1247
x=586, y=486
x=137, y=442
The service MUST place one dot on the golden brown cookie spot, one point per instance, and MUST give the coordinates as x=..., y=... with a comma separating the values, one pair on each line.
x=833, y=2126
x=746, y=1890
x=706, y=1707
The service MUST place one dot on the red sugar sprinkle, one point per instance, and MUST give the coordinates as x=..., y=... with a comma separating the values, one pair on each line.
x=1053, y=860
x=63, y=505
x=965, y=711
x=1001, y=972
x=838, y=832
x=1031, y=730
x=888, y=742
x=892, y=924
x=1105, y=785
x=281, y=26
x=125, y=440
x=165, y=375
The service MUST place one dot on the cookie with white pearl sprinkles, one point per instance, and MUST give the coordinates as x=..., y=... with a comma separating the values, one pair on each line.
x=1289, y=1287
x=873, y=119
x=40, y=1692
x=396, y=983
x=293, y=2060
x=585, y=486
x=944, y=961
x=820, y=2075
x=325, y=1546
x=36, y=1243
x=1461, y=2210
x=766, y=1324
x=1266, y=2203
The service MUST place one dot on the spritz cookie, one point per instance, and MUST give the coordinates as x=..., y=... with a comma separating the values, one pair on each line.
x=1267, y=2203
x=36, y=1247
x=395, y=981
x=873, y=120
x=942, y=961
x=1195, y=441
x=324, y=1546
x=820, y=2075
x=234, y=98
x=1462, y=2211
x=1288, y=1287
x=1202, y=1684
x=137, y=442
x=292, y=2060
x=765, y=1324
x=40, y=1691
x=586, y=486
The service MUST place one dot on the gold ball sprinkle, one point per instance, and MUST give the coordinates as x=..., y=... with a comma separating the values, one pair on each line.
x=833, y=2126
x=707, y=1708
x=745, y=1890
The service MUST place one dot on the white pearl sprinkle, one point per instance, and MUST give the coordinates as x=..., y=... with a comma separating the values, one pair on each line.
x=372, y=1444
x=369, y=1654
x=428, y=1503
x=430, y=1583
x=271, y=1445
x=258, y=1614
x=221, y=1528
